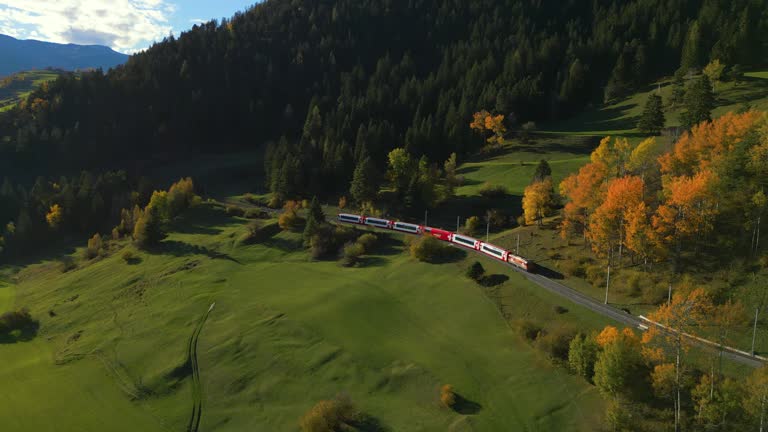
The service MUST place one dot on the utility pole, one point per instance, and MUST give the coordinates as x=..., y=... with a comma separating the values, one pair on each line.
x=457, y=223
x=487, y=228
x=425, y=217
x=607, y=283
x=517, y=248
x=754, y=330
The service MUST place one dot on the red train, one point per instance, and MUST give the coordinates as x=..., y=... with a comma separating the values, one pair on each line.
x=456, y=238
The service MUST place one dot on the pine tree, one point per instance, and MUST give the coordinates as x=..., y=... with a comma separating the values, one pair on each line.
x=316, y=211
x=364, y=185
x=652, y=120
x=149, y=228
x=699, y=102
x=310, y=228
x=543, y=170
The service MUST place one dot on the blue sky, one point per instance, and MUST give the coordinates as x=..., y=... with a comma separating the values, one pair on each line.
x=124, y=25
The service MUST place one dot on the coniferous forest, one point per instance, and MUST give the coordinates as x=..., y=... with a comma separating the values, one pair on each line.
x=334, y=85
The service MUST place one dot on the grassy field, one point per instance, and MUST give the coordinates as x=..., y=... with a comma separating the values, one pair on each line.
x=18, y=86
x=285, y=333
x=620, y=118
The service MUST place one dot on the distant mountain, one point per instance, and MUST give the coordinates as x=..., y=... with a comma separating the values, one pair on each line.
x=22, y=55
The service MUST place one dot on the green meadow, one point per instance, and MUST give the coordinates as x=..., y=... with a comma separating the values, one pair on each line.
x=285, y=333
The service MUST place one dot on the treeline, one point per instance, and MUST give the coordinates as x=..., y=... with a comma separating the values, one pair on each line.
x=704, y=197
x=79, y=206
x=338, y=77
x=51, y=209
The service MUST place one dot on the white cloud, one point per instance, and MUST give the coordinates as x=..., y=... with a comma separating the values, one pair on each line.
x=124, y=25
x=198, y=21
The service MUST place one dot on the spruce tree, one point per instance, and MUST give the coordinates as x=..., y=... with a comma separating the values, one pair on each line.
x=652, y=120
x=316, y=211
x=310, y=228
x=364, y=185
x=543, y=170
x=149, y=228
x=699, y=102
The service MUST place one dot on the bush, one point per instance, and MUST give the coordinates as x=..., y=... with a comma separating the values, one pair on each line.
x=342, y=203
x=367, y=242
x=233, y=210
x=255, y=214
x=95, y=245
x=497, y=218
x=475, y=271
x=330, y=416
x=527, y=329
x=560, y=310
x=447, y=396
x=596, y=275
x=327, y=240
x=492, y=191
x=574, y=268
x=290, y=220
x=16, y=320
x=431, y=250
x=275, y=201
x=472, y=224
x=656, y=294
x=128, y=256
x=555, y=344
x=67, y=263
x=351, y=254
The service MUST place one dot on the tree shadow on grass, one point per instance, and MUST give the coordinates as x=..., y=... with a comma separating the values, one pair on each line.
x=179, y=248
x=465, y=406
x=369, y=423
x=493, y=280
x=24, y=335
x=133, y=261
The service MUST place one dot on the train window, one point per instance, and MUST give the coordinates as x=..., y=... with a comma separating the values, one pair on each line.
x=464, y=240
x=349, y=218
x=493, y=251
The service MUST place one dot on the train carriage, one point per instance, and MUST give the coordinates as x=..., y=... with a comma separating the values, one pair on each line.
x=378, y=223
x=465, y=241
x=438, y=233
x=494, y=251
x=350, y=218
x=408, y=228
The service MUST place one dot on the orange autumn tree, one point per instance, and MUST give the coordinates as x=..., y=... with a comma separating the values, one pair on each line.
x=684, y=315
x=485, y=123
x=708, y=143
x=607, y=228
x=688, y=210
x=584, y=190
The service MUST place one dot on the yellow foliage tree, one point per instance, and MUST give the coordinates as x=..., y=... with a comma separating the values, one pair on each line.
x=54, y=216
x=537, y=201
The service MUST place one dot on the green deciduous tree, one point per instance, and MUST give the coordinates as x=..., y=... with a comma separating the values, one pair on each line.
x=582, y=355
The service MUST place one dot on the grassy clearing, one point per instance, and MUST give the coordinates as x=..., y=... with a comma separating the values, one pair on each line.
x=285, y=333
x=620, y=118
x=18, y=86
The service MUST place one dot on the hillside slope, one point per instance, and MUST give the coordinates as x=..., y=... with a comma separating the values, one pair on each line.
x=286, y=332
x=21, y=55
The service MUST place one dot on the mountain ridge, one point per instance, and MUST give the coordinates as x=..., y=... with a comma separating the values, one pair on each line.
x=30, y=54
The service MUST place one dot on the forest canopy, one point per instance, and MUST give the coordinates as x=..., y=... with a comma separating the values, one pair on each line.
x=349, y=78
